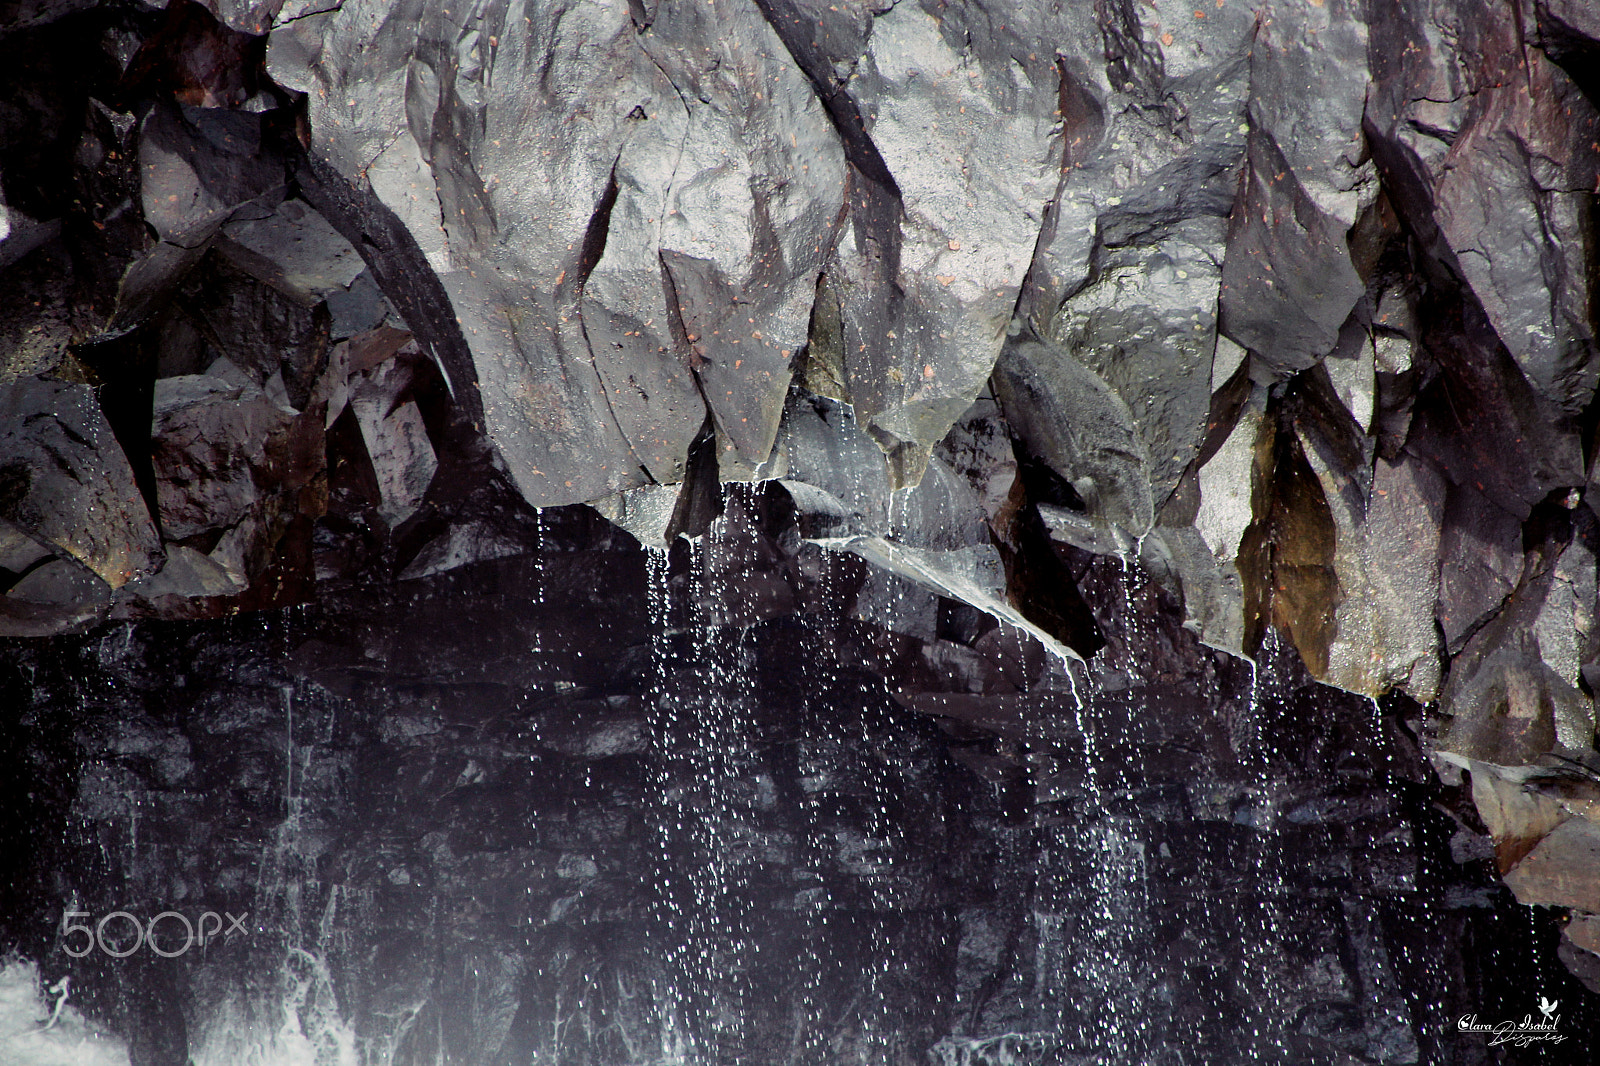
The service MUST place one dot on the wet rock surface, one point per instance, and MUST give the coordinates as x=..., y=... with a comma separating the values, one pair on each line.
x=1287, y=309
x=579, y=804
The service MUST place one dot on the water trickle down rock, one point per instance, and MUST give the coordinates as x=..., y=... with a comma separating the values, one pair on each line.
x=607, y=222
x=746, y=221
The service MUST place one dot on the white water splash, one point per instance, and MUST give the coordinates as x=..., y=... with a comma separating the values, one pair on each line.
x=29, y=1037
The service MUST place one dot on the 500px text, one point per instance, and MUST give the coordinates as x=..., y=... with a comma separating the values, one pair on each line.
x=127, y=934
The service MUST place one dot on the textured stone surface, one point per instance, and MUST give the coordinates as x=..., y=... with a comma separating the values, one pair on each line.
x=66, y=482
x=1287, y=281
x=899, y=848
x=210, y=443
x=1285, y=309
x=1073, y=422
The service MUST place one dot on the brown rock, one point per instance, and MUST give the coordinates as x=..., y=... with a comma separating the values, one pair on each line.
x=1563, y=869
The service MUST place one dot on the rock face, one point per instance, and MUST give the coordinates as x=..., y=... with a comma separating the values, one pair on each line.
x=788, y=807
x=1290, y=307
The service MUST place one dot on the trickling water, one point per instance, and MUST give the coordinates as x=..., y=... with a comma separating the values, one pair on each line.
x=697, y=735
x=539, y=577
x=783, y=860
x=1264, y=951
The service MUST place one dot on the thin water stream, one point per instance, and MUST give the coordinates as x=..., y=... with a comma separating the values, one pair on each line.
x=604, y=806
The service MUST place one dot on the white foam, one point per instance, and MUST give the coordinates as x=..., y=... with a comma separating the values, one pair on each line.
x=26, y=1010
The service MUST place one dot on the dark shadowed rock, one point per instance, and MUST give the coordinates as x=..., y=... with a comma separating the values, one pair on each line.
x=65, y=482
x=1480, y=560
x=211, y=439
x=1071, y=420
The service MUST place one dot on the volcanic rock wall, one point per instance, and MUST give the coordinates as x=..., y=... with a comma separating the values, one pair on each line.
x=1292, y=302
x=518, y=812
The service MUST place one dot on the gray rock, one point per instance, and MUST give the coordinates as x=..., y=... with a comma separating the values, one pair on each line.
x=1352, y=369
x=836, y=473
x=396, y=439
x=20, y=234
x=257, y=16
x=199, y=167
x=1480, y=562
x=961, y=111
x=1075, y=423
x=58, y=596
x=62, y=583
x=254, y=324
x=1194, y=548
x=402, y=104
x=1287, y=282
x=1308, y=91
x=18, y=551
x=1210, y=588
x=295, y=250
x=467, y=543
x=973, y=576
x=1386, y=563
x=1227, y=482
x=1145, y=325
x=36, y=319
x=188, y=573
x=827, y=452
x=646, y=513
x=359, y=308
x=1507, y=704
x=746, y=220
x=1153, y=134
x=1565, y=626
x=1511, y=198
x=978, y=448
x=65, y=481
x=1560, y=870
x=1567, y=25
x=212, y=441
